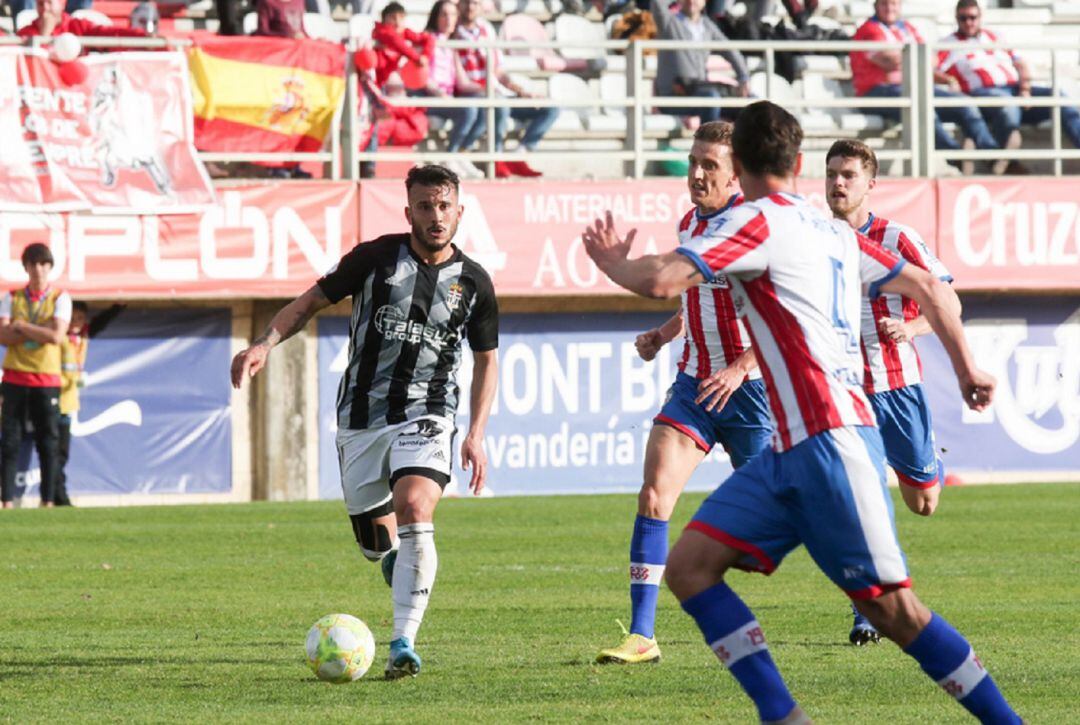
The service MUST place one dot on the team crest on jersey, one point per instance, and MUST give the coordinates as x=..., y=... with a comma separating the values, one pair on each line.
x=453, y=296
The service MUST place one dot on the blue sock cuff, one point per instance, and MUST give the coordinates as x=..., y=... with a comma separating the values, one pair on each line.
x=939, y=648
x=649, y=541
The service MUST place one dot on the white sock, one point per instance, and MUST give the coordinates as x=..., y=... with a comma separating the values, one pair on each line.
x=414, y=577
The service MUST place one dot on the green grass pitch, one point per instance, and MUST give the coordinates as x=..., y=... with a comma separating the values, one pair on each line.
x=199, y=614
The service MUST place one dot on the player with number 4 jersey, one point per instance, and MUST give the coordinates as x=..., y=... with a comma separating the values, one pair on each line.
x=801, y=277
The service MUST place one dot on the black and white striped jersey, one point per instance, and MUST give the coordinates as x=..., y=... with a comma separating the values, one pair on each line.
x=405, y=338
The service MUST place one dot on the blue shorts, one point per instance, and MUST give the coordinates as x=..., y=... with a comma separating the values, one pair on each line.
x=903, y=416
x=828, y=493
x=742, y=426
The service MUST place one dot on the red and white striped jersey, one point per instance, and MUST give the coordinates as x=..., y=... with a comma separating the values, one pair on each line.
x=799, y=276
x=976, y=67
x=714, y=334
x=890, y=365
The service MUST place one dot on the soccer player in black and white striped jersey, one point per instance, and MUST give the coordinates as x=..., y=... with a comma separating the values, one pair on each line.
x=415, y=298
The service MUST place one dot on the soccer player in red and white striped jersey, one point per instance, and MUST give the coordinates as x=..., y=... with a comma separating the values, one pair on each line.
x=889, y=323
x=717, y=396
x=822, y=484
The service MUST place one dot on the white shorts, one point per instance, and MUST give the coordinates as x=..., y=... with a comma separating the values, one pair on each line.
x=372, y=460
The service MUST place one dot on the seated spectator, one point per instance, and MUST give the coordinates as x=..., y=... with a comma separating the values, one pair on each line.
x=17, y=6
x=998, y=73
x=537, y=121
x=394, y=43
x=53, y=21
x=758, y=9
x=280, y=18
x=685, y=72
x=446, y=79
x=879, y=75
x=399, y=125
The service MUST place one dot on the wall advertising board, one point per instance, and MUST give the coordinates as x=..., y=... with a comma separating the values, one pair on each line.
x=155, y=413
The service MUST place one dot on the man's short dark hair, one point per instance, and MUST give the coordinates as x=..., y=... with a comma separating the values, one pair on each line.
x=37, y=253
x=766, y=139
x=80, y=306
x=431, y=175
x=392, y=9
x=968, y=4
x=852, y=149
x=714, y=132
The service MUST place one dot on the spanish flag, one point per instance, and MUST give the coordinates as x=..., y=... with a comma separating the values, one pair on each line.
x=265, y=94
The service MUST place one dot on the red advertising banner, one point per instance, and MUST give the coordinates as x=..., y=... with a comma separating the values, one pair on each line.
x=1010, y=233
x=258, y=241
x=273, y=240
x=528, y=235
x=115, y=136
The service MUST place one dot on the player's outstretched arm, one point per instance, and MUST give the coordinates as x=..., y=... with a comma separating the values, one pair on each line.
x=485, y=379
x=648, y=343
x=657, y=276
x=289, y=320
x=976, y=386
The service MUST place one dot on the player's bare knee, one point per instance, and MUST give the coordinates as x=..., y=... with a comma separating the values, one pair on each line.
x=898, y=615
x=655, y=502
x=695, y=565
x=372, y=532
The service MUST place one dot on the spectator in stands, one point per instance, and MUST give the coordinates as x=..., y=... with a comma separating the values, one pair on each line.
x=280, y=18
x=72, y=361
x=758, y=9
x=880, y=74
x=446, y=79
x=685, y=72
x=537, y=121
x=396, y=44
x=229, y=20
x=33, y=322
x=399, y=125
x=998, y=73
x=53, y=20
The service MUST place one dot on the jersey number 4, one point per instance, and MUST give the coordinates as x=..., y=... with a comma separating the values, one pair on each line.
x=839, y=316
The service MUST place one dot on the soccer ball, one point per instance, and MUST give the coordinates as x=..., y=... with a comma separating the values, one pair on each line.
x=340, y=648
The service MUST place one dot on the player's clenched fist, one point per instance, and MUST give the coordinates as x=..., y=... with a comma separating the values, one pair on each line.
x=978, y=389
x=248, y=362
x=649, y=343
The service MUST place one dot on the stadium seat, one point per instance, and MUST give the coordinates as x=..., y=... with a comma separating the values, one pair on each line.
x=613, y=88
x=360, y=26
x=94, y=16
x=24, y=18
x=525, y=28
x=317, y=25
x=588, y=35
x=568, y=87
x=250, y=23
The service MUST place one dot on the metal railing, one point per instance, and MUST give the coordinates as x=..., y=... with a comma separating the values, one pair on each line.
x=916, y=103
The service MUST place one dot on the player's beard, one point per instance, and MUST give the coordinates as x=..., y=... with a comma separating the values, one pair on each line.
x=844, y=206
x=420, y=234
